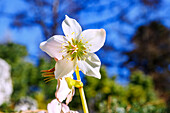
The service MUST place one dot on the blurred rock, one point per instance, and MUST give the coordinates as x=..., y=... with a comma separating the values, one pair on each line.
x=5, y=82
x=26, y=103
x=120, y=110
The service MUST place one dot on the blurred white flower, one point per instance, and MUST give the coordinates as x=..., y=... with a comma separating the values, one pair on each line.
x=76, y=48
x=57, y=107
x=120, y=110
x=5, y=82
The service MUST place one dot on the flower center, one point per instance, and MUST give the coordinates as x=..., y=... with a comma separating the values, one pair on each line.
x=76, y=49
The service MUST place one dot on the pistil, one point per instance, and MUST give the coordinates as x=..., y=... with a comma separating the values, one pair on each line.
x=75, y=48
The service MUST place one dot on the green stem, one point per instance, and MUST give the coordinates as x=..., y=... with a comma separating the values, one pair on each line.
x=82, y=95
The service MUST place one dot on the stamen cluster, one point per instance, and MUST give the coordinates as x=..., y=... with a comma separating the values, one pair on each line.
x=76, y=49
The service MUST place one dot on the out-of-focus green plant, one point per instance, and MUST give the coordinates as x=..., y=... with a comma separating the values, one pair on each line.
x=103, y=95
x=138, y=96
x=26, y=77
x=114, y=106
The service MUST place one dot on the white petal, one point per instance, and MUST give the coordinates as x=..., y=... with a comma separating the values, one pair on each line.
x=91, y=66
x=64, y=67
x=93, y=38
x=63, y=90
x=70, y=96
x=53, y=46
x=73, y=111
x=71, y=27
x=54, y=107
x=65, y=108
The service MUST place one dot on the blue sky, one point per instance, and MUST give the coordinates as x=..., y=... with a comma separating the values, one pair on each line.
x=32, y=36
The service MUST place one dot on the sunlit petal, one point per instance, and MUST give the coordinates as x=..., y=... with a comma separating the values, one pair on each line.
x=93, y=39
x=63, y=89
x=54, y=106
x=65, y=108
x=70, y=96
x=54, y=47
x=71, y=27
x=91, y=65
x=64, y=67
x=71, y=111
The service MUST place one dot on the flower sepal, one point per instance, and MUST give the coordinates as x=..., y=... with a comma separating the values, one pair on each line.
x=71, y=82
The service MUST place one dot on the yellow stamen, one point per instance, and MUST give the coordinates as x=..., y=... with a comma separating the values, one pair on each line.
x=84, y=59
x=63, y=50
x=48, y=75
x=68, y=59
x=50, y=79
x=50, y=70
x=62, y=56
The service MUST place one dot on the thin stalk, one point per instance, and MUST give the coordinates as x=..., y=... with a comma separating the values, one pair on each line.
x=82, y=95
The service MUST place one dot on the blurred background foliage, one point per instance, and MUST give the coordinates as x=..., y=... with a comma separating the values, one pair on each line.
x=103, y=95
x=137, y=51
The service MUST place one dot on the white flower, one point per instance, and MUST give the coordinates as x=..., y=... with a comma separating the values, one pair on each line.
x=57, y=107
x=76, y=48
x=65, y=90
x=65, y=85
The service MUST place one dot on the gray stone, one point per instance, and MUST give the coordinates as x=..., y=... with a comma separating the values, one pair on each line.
x=26, y=103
